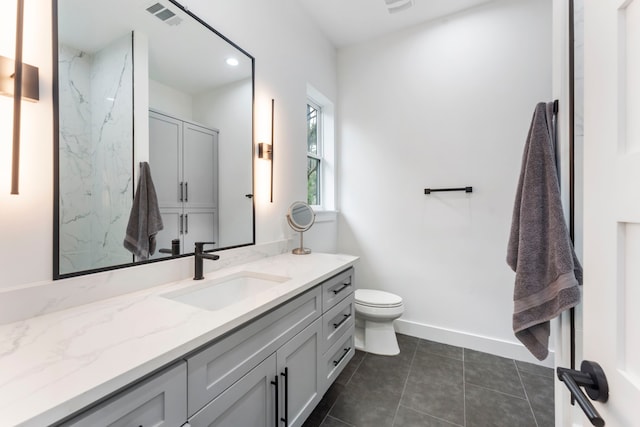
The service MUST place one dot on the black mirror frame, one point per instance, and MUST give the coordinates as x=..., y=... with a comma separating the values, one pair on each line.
x=56, y=156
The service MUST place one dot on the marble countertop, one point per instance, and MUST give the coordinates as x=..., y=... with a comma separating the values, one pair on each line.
x=56, y=364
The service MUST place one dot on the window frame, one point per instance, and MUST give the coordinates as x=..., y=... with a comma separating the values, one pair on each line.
x=318, y=156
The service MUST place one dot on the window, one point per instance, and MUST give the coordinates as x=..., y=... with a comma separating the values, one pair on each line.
x=314, y=153
x=321, y=163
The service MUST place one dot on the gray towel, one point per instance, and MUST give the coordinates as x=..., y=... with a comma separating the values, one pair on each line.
x=548, y=274
x=144, y=220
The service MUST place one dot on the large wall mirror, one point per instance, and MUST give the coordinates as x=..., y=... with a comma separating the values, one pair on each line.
x=140, y=81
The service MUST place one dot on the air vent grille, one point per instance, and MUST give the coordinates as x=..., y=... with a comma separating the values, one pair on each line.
x=164, y=14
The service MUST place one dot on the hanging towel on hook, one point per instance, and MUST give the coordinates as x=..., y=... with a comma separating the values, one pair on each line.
x=548, y=274
x=145, y=220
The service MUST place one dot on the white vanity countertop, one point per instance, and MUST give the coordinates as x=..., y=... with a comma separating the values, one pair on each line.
x=54, y=365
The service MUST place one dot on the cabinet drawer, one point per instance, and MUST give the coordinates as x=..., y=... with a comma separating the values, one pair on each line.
x=217, y=367
x=159, y=401
x=339, y=319
x=334, y=360
x=336, y=288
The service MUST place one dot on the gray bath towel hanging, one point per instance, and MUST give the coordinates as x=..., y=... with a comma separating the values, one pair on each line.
x=548, y=274
x=145, y=220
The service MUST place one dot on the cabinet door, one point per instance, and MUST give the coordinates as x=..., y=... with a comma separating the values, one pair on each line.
x=250, y=402
x=159, y=401
x=200, y=165
x=165, y=158
x=299, y=370
x=200, y=226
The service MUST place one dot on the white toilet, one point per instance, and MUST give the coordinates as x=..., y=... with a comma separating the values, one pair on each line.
x=375, y=313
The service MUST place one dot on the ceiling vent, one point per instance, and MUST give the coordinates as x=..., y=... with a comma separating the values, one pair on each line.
x=394, y=6
x=164, y=14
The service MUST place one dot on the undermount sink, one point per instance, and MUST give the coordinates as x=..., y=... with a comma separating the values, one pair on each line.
x=219, y=293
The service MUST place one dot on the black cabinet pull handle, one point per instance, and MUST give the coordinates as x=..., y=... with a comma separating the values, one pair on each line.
x=186, y=191
x=285, y=419
x=346, y=351
x=344, y=286
x=344, y=319
x=275, y=383
x=181, y=191
x=186, y=221
x=181, y=224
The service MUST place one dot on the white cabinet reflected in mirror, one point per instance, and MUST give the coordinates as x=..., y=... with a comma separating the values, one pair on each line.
x=146, y=81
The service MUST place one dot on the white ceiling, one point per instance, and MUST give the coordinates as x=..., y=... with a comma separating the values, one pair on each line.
x=347, y=22
x=186, y=57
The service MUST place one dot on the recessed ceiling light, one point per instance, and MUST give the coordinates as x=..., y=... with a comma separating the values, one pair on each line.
x=232, y=62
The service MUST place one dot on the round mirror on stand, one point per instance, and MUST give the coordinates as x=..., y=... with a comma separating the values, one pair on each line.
x=301, y=217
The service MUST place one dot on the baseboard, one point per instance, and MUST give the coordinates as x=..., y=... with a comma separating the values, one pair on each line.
x=511, y=350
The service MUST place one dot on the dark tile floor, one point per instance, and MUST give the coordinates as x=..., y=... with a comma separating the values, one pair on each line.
x=436, y=385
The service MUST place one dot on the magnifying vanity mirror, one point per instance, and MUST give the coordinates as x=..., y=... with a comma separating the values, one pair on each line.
x=147, y=81
x=300, y=217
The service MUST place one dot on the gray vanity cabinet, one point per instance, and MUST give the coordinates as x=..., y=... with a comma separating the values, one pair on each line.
x=184, y=165
x=158, y=401
x=270, y=372
x=311, y=340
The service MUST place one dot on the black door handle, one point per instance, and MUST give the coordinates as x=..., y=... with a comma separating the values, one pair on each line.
x=592, y=378
x=275, y=383
x=285, y=419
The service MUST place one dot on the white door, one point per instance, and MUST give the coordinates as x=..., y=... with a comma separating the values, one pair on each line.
x=612, y=203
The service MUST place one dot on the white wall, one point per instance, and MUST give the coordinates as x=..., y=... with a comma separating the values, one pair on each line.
x=445, y=104
x=289, y=53
x=170, y=101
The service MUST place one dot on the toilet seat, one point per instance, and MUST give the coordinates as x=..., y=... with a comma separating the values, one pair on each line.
x=377, y=299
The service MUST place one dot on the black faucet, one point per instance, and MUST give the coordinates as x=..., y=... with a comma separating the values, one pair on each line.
x=175, y=248
x=199, y=256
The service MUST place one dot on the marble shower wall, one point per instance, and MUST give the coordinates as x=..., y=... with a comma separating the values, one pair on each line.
x=96, y=155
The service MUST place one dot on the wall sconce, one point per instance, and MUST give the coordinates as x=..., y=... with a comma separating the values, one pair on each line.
x=265, y=152
x=20, y=81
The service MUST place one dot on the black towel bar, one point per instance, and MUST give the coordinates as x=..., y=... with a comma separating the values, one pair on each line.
x=434, y=190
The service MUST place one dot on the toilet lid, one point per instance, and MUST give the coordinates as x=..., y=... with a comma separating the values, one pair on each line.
x=374, y=298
